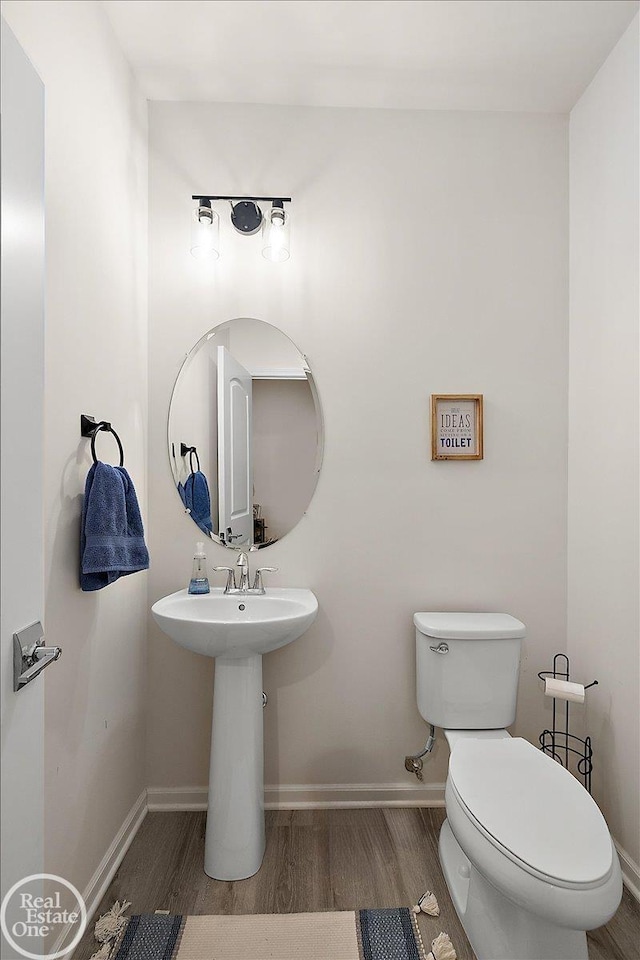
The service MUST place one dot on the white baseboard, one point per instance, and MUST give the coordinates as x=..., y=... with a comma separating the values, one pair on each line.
x=176, y=798
x=114, y=856
x=630, y=872
x=311, y=796
x=95, y=889
x=290, y=796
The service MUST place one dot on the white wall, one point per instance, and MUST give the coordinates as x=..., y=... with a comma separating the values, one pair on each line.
x=603, y=623
x=96, y=363
x=429, y=254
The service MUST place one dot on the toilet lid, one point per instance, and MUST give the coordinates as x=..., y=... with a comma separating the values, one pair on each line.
x=534, y=808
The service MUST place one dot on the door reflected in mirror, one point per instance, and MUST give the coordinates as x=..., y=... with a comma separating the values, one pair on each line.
x=245, y=434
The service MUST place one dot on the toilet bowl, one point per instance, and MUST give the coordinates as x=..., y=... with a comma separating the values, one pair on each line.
x=525, y=850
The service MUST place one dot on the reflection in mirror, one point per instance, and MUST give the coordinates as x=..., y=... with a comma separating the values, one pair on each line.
x=245, y=434
x=194, y=492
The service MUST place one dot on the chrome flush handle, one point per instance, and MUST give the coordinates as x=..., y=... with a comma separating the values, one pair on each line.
x=441, y=648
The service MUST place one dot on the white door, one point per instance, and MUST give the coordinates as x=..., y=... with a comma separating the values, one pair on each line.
x=235, y=466
x=22, y=375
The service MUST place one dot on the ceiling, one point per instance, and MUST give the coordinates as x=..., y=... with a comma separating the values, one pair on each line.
x=524, y=55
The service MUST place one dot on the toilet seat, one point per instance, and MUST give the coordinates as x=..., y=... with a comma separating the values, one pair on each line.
x=532, y=810
x=479, y=768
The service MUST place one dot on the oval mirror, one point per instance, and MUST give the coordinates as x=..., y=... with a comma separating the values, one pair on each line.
x=245, y=434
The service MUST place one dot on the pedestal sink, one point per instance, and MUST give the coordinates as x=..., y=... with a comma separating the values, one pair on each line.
x=237, y=629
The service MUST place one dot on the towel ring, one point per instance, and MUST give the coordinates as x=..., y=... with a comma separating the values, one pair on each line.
x=184, y=450
x=89, y=428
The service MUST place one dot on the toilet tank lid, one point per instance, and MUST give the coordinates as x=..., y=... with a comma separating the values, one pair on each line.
x=469, y=626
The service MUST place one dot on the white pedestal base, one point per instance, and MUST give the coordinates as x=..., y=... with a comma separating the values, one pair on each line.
x=234, y=845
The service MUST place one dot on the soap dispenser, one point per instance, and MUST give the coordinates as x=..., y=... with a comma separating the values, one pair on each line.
x=199, y=582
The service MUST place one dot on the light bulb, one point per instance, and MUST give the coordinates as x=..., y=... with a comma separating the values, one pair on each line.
x=205, y=232
x=275, y=245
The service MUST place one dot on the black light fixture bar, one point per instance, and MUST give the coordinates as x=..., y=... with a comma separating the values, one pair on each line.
x=204, y=196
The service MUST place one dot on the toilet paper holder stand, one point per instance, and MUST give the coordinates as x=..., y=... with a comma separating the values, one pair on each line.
x=557, y=742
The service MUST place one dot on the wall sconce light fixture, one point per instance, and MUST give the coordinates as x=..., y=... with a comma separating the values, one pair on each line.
x=205, y=231
x=275, y=233
x=247, y=218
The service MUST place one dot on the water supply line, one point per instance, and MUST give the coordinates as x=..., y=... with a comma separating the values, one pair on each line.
x=414, y=764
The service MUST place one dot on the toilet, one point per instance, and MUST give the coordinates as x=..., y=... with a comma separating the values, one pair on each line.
x=525, y=851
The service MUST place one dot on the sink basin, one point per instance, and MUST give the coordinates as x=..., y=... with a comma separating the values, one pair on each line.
x=235, y=626
x=237, y=629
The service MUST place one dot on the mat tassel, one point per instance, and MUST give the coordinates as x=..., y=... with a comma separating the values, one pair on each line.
x=108, y=929
x=427, y=904
x=442, y=948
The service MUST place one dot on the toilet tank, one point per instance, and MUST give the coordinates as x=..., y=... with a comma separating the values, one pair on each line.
x=467, y=667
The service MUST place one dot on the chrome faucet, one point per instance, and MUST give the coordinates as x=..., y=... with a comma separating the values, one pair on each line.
x=242, y=586
x=243, y=563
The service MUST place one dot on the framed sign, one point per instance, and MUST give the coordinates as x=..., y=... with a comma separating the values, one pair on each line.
x=456, y=426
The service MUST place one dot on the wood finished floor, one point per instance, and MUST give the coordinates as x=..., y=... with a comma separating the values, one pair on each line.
x=316, y=860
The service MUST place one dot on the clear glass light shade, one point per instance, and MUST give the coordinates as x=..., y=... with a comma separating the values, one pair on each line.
x=276, y=236
x=205, y=234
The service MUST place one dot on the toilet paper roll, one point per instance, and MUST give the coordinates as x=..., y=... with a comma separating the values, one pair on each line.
x=564, y=690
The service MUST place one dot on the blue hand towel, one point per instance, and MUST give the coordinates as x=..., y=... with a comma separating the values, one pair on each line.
x=198, y=501
x=112, y=536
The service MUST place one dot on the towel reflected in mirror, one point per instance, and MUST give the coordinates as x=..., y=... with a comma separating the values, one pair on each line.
x=197, y=500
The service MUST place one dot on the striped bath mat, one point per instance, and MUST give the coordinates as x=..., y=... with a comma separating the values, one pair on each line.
x=345, y=935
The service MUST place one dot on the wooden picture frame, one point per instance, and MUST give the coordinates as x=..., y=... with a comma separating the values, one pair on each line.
x=456, y=426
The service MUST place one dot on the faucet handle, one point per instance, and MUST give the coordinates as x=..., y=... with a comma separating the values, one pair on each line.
x=231, y=577
x=257, y=582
